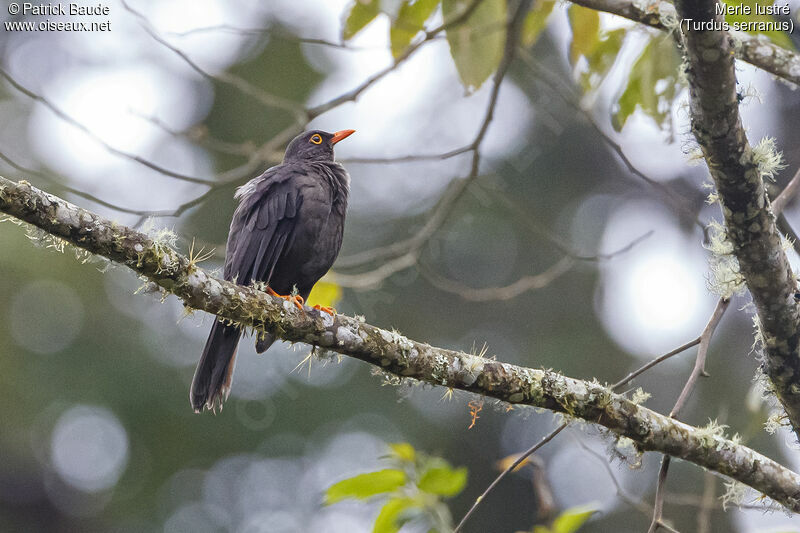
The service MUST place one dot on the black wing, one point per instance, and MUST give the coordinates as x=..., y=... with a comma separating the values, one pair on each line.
x=263, y=226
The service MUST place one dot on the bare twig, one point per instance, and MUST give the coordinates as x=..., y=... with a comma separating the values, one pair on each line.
x=779, y=204
x=616, y=387
x=199, y=134
x=697, y=371
x=409, y=158
x=60, y=182
x=566, y=94
x=636, y=503
x=550, y=436
x=508, y=292
x=706, y=503
x=273, y=31
x=644, y=368
x=116, y=151
x=242, y=85
x=410, y=248
x=786, y=195
x=351, y=95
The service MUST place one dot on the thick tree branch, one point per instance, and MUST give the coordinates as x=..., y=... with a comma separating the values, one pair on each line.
x=749, y=221
x=394, y=353
x=756, y=50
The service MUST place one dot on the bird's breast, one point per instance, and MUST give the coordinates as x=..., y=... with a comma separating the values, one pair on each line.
x=315, y=242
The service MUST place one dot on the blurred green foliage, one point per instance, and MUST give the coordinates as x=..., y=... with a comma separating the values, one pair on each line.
x=413, y=490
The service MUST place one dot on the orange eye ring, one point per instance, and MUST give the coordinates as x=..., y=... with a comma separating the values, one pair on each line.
x=316, y=139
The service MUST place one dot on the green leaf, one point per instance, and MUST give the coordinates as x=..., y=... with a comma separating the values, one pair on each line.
x=476, y=44
x=443, y=480
x=600, y=49
x=410, y=20
x=536, y=21
x=403, y=451
x=365, y=486
x=362, y=13
x=778, y=37
x=572, y=519
x=601, y=59
x=585, y=25
x=652, y=84
x=390, y=519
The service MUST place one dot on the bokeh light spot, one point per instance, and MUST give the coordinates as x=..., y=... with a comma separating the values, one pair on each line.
x=89, y=448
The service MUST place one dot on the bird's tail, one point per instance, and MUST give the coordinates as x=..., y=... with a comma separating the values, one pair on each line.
x=264, y=341
x=212, y=379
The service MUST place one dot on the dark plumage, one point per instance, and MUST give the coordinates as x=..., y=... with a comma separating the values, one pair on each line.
x=286, y=232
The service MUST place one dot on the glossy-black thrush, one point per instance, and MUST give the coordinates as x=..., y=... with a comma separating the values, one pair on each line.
x=285, y=232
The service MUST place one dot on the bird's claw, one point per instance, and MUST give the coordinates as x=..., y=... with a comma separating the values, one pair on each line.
x=325, y=309
x=296, y=299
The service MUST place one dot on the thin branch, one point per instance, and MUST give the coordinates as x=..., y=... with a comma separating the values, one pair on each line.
x=778, y=205
x=543, y=492
x=271, y=32
x=702, y=352
x=239, y=83
x=508, y=292
x=616, y=387
x=410, y=248
x=267, y=150
x=394, y=353
x=637, y=504
x=199, y=134
x=59, y=182
x=697, y=371
x=116, y=151
x=409, y=158
x=375, y=277
x=565, y=93
x=706, y=503
x=658, y=506
x=525, y=283
x=351, y=95
x=505, y=472
x=787, y=194
x=524, y=216
x=229, y=178
x=644, y=368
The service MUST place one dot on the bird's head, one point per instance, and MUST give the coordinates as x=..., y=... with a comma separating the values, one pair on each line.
x=314, y=145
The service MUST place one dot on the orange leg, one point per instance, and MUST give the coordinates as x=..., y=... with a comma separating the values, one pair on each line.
x=296, y=299
x=325, y=309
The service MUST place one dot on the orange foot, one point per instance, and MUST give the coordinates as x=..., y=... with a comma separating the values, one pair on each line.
x=296, y=299
x=325, y=309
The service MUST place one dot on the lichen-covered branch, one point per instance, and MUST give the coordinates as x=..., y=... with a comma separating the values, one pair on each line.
x=394, y=353
x=750, y=224
x=759, y=51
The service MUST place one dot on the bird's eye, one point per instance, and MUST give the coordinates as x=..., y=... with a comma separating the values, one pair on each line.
x=316, y=139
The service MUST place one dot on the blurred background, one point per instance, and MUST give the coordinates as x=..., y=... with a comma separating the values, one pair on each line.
x=97, y=433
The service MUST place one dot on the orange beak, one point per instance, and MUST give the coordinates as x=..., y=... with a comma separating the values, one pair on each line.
x=343, y=134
